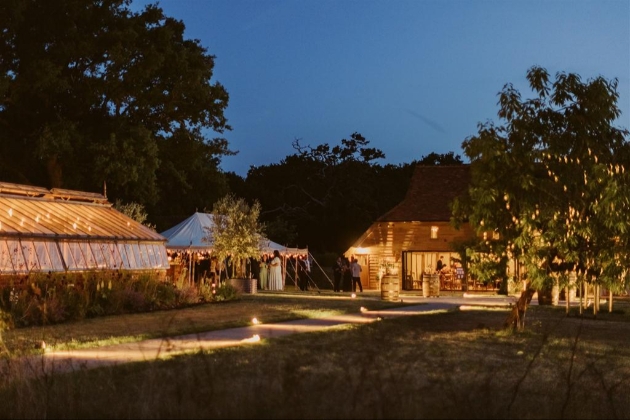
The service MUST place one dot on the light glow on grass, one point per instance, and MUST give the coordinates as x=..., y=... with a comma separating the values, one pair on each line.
x=255, y=321
x=483, y=308
x=253, y=339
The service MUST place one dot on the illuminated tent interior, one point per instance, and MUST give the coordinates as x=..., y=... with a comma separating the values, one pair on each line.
x=193, y=234
x=64, y=230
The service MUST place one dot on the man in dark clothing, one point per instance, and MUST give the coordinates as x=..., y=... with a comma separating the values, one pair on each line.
x=337, y=273
x=440, y=263
x=346, y=277
x=302, y=275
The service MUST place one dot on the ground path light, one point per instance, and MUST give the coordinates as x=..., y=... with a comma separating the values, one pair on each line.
x=353, y=295
x=255, y=321
x=253, y=339
x=363, y=309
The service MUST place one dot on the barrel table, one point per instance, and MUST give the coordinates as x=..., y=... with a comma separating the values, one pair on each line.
x=390, y=288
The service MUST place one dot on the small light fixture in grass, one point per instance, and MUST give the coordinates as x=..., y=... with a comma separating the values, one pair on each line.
x=353, y=295
x=255, y=321
x=253, y=339
x=363, y=309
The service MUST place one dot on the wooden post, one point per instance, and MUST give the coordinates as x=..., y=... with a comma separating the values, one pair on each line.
x=610, y=305
x=194, y=260
x=582, y=287
x=189, y=267
x=284, y=269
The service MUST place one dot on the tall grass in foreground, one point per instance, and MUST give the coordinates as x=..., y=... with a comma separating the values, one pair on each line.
x=449, y=365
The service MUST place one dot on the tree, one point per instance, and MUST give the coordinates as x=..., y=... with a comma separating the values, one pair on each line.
x=189, y=177
x=134, y=211
x=91, y=92
x=236, y=232
x=552, y=181
x=328, y=194
x=433, y=158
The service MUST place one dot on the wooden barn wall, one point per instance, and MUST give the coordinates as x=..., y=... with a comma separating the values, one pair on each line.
x=388, y=240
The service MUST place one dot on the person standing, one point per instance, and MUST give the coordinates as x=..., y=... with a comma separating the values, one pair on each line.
x=440, y=263
x=356, y=275
x=346, y=275
x=263, y=273
x=302, y=275
x=337, y=272
x=275, y=272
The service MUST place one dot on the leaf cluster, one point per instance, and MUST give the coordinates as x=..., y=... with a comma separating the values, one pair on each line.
x=236, y=232
x=93, y=92
x=552, y=179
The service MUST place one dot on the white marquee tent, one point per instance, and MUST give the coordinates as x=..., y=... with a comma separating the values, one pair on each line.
x=192, y=235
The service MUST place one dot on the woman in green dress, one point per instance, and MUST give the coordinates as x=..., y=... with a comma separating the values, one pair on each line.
x=263, y=273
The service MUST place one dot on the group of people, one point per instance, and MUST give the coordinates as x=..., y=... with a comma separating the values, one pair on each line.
x=270, y=272
x=443, y=268
x=347, y=274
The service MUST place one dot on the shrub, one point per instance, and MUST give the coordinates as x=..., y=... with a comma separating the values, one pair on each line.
x=225, y=292
x=187, y=295
x=49, y=298
x=165, y=295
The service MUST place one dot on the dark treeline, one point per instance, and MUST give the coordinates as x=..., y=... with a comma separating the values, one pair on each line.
x=95, y=96
x=324, y=197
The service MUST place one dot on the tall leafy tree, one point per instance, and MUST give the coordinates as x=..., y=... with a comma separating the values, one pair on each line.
x=236, y=232
x=325, y=196
x=327, y=193
x=92, y=92
x=552, y=180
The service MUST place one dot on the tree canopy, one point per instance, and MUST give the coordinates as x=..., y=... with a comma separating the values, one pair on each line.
x=552, y=180
x=91, y=92
x=236, y=232
x=325, y=196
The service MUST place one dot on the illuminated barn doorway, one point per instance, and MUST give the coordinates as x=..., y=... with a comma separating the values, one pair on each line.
x=417, y=263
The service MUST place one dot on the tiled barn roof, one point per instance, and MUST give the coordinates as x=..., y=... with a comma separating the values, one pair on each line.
x=431, y=190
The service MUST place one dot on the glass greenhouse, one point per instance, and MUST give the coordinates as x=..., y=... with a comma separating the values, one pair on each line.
x=65, y=230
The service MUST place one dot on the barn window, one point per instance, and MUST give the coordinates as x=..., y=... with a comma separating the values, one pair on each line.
x=434, y=232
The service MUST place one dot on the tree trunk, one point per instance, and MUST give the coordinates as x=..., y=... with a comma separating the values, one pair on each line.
x=516, y=318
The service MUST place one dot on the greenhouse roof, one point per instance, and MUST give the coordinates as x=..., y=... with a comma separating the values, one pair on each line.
x=35, y=212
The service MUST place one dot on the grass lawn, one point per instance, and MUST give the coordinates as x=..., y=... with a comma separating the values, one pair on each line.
x=207, y=317
x=460, y=364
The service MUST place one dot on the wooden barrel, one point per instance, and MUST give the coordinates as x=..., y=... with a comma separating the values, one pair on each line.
x=390, y=287
x=431, y=285
x=426, y=285
x=434, y=285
